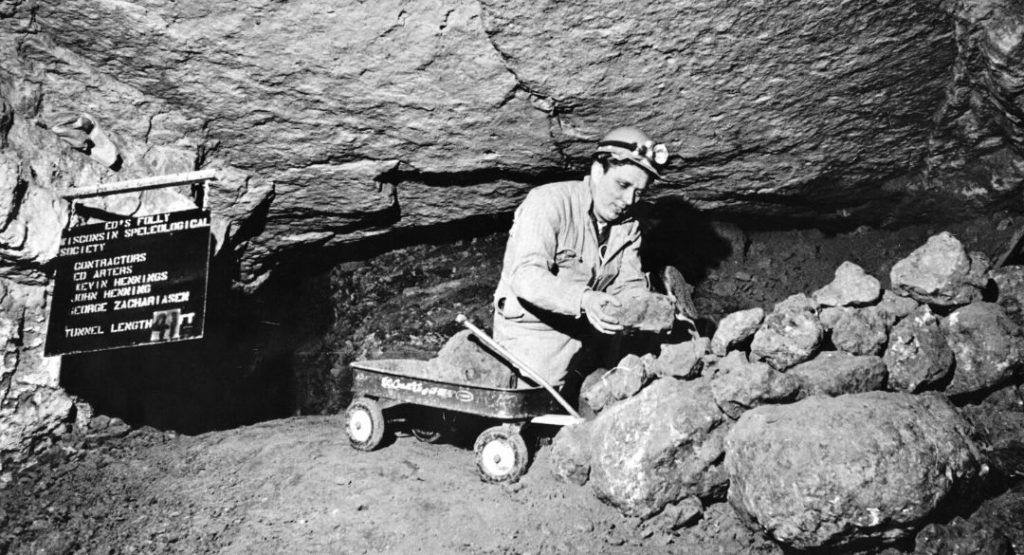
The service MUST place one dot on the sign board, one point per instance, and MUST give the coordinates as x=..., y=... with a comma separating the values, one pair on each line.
x=135, y=281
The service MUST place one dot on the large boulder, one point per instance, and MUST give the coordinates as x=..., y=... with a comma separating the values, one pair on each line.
x=787, y=337
x=735, y=329
x=852, y=286
x=987, y=344
x=838, y=472
x=918, y=356
x=940, y=273
x=658, y=447
x=739, y=385
x=839, y=373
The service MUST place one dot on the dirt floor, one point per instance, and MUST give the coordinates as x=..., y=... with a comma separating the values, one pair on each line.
x=295, y=486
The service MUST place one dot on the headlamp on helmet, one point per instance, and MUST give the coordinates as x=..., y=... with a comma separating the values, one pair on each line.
x=629, y=143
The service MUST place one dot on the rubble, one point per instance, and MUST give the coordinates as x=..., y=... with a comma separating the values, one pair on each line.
x=918, y=356
x=987, y=345
x=940, y=273
x=657, y=448
x=739, y=385
x=851, y=287
x=601, y=389
x=836, y=373
x=858, y=331
x=570, y=454
x=1009, y=281
x=831, y=472
x=736, y=328
x=787, y=337
x=680, y=360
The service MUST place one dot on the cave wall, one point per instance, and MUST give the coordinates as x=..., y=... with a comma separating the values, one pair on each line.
x=336, y=123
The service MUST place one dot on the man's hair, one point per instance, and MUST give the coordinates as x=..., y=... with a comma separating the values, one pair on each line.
x=606, y=160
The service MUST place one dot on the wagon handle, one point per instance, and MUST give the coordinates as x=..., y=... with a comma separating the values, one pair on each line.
x=514, y=360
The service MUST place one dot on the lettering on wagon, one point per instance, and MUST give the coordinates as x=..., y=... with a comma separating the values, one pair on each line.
x=420, y=389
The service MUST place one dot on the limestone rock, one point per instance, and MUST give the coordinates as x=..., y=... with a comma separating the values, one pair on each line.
x=796, y=303
x=940, y=273
x=464, y=360
x=787, y=337
x=1003, y=513
x=859, y=331
x=962, y=537
x=740, y=385
x=987, y=345
x=35, y=410
x=851, y=287
x=736, y=328
x=570, y=454
x=645, y=311
x=621, y=382
x=894, y=308
x=1009, y=282
x=918, y=356
x=681, y=360
x=658, y=447
x=836, y=373
x=832, y=472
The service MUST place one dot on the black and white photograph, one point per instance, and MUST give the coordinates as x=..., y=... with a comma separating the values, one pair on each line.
x=512, y=277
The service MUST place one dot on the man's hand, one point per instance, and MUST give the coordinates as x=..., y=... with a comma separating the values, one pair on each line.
x=594, y=305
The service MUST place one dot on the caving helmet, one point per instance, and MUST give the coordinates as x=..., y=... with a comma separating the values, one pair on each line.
x=633, y=145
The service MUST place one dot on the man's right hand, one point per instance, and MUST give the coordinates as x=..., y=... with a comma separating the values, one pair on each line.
x=594, y=304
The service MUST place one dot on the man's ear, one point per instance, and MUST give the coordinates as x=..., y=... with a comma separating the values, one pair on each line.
x=596, y=171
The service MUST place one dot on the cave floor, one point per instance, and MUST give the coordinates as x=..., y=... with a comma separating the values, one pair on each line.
x=295, y=486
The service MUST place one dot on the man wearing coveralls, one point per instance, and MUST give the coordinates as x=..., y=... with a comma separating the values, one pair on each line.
x=572, y=249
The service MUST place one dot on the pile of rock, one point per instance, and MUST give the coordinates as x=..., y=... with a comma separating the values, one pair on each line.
x=827, y=419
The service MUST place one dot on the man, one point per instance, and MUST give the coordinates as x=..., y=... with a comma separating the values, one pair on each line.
x=572, y=249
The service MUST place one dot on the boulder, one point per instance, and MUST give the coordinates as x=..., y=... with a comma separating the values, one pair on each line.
x=740, y=385
x=851, y=287
x=987, y=344
x=570, y=454
x=680, y=360
x=962, y=537
x=787, y=337
x=463, y=359
x=1009, y=282
x=940, y=273
x=858, y=331
x=735, y=329
x=658, y=448
x=833, y=473
x=643, y=310
x=918, y=356
x=836, y=373
x=621, y=382
x=894, y=308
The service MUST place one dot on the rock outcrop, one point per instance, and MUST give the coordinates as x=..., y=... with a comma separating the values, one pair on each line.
x=835, y=472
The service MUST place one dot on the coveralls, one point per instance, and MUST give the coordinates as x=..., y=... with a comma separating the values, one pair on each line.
x=552, y=257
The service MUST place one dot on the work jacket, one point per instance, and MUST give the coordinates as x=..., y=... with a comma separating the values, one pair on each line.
x=552, y=257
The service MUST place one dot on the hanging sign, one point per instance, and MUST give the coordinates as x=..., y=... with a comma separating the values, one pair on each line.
x=135, y=281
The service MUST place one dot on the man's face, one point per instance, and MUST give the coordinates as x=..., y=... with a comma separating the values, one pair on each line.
x=617, y=190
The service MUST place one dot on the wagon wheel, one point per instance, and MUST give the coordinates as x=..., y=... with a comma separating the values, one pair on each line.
x=364, y=424
x=501, y=454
